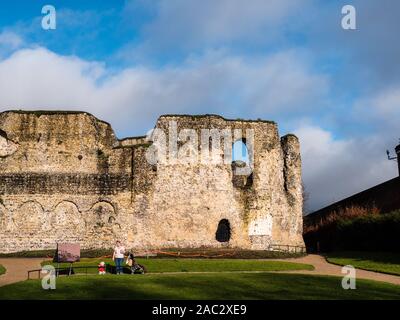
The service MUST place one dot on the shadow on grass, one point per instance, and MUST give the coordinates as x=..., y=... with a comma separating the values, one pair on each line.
x=201, y=286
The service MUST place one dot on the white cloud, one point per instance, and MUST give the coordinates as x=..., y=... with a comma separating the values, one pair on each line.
x=35, y=78
x=9, y=41
x=334, y=169
x=382, y=106
x=189, y=24
x=133, y=98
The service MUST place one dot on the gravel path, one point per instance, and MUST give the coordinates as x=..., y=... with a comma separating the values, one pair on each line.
x=322, y=267
x=17, y=269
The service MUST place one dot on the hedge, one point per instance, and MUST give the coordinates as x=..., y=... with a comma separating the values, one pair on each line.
x=370, y=233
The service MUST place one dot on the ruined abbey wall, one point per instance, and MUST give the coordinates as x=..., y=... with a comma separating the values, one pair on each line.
x=65, y=177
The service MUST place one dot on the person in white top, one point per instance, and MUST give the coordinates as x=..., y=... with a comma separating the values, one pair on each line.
x=118, y=256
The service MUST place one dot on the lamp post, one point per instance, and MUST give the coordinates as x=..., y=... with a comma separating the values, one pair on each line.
x=397, y=158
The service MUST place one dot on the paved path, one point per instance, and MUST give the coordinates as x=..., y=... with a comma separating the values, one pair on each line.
x=17, y=269
x=322, y=267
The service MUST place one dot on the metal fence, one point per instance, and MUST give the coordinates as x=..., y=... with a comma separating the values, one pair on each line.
x=64, y=270
x=287, y=248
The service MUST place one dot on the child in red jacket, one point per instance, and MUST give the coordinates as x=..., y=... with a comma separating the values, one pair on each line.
x=102, y=268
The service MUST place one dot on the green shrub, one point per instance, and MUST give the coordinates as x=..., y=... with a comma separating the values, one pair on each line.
x=374, y=232
x=2, y=270
x=356, y=232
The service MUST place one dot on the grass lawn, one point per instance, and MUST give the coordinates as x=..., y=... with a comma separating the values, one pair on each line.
x=200, y=286
x=385, y=262
x=2, y=270
x=154, y=265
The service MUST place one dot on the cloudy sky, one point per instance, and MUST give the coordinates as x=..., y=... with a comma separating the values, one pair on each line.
x=290, y=61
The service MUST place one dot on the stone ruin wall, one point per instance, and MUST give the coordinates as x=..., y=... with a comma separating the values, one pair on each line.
x=65, y=177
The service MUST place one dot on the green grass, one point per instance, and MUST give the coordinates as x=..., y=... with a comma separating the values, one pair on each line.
x=200, y=286
x=155, y=265
x=385, y=262
x=2, y=270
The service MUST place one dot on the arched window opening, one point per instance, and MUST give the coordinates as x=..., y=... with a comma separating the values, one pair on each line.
x=223, y=233
x=242, y=176
x=240, y=153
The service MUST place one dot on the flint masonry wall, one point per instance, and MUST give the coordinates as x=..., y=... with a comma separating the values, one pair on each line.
x=65, y=177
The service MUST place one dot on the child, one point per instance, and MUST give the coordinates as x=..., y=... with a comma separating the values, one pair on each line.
x=102, y=268
x=131, y=262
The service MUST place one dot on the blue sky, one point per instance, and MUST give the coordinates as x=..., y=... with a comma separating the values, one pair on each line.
x=290, y=61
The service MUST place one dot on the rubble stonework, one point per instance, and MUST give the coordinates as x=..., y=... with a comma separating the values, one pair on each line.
x=65, y=177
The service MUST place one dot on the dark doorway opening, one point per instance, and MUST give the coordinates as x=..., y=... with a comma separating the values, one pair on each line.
x=223, y=233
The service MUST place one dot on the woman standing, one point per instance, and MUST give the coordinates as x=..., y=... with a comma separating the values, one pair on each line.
x=118, y=256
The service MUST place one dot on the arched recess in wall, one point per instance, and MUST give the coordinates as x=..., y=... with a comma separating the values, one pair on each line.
x=3, y=218
x=223, y=233
x=102, y=214
x=67, y=218
x=29, y=217
x=116, y=228
x=242, y=175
